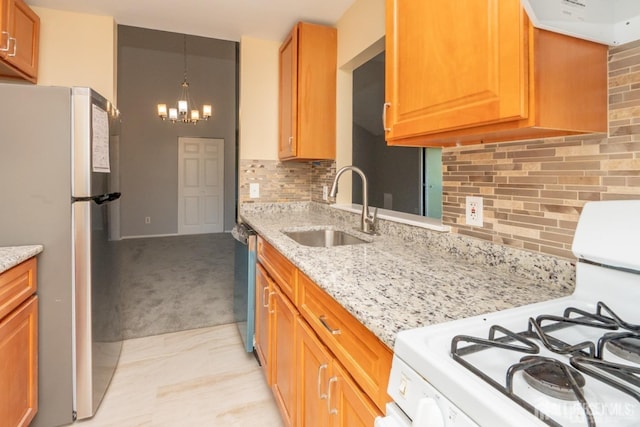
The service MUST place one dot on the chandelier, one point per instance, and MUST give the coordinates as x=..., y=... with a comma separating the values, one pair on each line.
x=186, y=112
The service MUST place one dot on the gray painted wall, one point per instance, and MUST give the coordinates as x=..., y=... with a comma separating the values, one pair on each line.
x=393, y=170
x=150, y=71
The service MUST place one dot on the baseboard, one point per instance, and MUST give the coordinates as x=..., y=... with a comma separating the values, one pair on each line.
x=150, y=235
x=164, y=235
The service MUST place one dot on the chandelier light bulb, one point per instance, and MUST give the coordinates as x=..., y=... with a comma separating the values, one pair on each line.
x=182, y=107
x=206, y=111
x=162, y=111
x=173, y=114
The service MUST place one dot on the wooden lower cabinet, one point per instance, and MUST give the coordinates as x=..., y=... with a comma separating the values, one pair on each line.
x=19, y=365
x=264, y=293
x=18, y=344
x=284, y=360
x=327, y=396
x=316, y=382
x=353, y=407
x=314, y=371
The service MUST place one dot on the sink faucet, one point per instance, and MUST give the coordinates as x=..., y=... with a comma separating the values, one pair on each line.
x=367, y=222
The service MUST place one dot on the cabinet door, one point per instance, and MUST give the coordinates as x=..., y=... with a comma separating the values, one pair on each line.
x=367, y=359
x=5, y=7
x=288, y=96
x=314, y=371
x=283, y=356
x=19, y=367
x=26, y=31
x=307, y=88
x=264, y=311
x=349, y=405
x=453, y=65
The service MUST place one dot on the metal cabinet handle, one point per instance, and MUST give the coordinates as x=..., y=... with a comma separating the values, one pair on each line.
x=290, y=142
x=15, y=46
x=265, y=291
x=6, y=48
x=385, y=106
x=332, y=411
x=323, y=320
x=271, y=310
x=320, y=369
x=266, y=298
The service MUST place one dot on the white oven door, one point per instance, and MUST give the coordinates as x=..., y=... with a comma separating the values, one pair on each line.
x=395, y=418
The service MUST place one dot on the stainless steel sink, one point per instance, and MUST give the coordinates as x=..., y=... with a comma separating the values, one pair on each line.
x=323, y=238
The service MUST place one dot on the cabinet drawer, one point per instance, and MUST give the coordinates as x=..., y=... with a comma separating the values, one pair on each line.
x=16, y=284
x=280, y=269
x=363, y=355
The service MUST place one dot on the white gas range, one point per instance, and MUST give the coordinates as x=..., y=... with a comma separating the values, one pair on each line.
x=572, y=361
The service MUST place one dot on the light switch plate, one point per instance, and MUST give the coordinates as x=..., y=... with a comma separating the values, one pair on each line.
x=254, y=190
x=474, y=211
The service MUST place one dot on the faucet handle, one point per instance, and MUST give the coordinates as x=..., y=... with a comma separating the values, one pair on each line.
x=372, y=221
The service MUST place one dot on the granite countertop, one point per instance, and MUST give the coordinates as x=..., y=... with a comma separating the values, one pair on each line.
x=391, y=284
x=11, y=256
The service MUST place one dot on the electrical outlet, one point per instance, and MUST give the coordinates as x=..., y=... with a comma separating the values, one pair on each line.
x=474, y=211
x=325, y=192
x=147, y=220
x=254, y=190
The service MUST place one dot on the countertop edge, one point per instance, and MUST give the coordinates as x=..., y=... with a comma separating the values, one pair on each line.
x=10, y=256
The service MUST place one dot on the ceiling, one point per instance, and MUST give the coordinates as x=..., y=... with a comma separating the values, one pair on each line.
x=220, y=19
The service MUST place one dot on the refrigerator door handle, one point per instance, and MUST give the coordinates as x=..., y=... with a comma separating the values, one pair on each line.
x=103, y=198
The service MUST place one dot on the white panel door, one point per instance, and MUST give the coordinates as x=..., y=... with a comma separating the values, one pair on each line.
x=200, y=185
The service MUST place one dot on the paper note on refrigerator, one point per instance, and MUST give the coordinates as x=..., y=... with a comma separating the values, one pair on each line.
x=100, y=140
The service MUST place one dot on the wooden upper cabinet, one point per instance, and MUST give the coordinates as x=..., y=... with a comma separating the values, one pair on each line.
x=466, y=72
x=19, y=41
x=307, y=88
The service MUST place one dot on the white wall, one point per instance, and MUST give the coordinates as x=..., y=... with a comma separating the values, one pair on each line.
x=258, y=99
x=360, y=37
x=77, y=49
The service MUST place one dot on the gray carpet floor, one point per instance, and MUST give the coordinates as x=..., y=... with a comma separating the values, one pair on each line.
x=176, y=283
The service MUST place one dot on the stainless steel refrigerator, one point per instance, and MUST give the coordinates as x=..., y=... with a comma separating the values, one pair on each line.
x=59, y=187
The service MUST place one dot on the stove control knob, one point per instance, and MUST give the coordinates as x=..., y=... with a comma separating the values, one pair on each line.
x=428, y=414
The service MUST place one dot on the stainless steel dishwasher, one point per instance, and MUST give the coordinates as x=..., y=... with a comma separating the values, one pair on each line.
x=244, y=288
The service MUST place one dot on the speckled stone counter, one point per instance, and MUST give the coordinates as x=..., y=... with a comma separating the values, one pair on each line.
x=11, y=256
x=410, y=278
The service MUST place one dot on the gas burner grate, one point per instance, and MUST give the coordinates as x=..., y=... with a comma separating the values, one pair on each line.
x=584, y=357
x=524, y=345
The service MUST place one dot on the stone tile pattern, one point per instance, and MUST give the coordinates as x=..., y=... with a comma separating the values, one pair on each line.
x=534, y=190
x=10, y=256
x=200, y=377
x=410, y=277
x=284, y=181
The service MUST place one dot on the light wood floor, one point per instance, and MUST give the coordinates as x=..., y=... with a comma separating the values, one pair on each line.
x=200, y=377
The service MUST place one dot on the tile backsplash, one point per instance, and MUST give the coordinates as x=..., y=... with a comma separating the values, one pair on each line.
x=284, y=181
x=533, y=191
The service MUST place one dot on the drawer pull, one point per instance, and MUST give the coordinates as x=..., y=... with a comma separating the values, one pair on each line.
x=321, y=368
x=323, y=320
x=332, y=411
